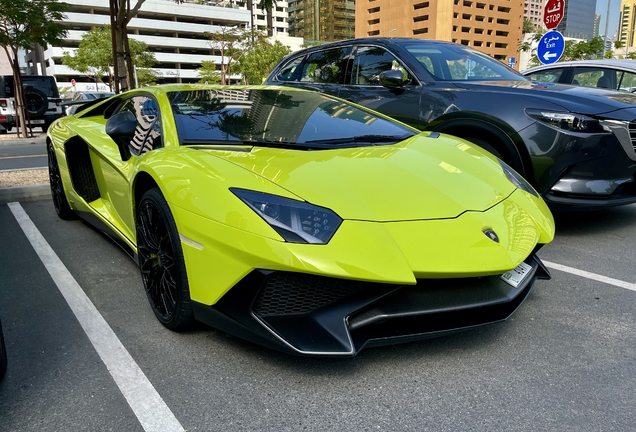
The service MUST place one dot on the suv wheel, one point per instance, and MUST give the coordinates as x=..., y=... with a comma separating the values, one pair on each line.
x=36, y=101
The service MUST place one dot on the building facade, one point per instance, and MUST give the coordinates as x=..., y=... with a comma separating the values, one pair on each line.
x=627, y=23
x=173, y=31
x=578, y=20
x=324, y=20
x=491, y=26
x=533, y=10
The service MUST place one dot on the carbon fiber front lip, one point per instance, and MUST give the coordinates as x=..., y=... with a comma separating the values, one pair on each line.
x=387, y=314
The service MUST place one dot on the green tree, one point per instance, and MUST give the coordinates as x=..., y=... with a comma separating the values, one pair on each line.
x=528, y=26
x=94, y=57
x=260, y=60
x=24, y=24
x=121, y=14
x=208, y=73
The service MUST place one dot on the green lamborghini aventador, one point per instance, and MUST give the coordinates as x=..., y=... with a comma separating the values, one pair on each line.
x=298, y=220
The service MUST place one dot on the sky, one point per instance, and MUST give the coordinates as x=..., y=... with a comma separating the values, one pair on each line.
x=601, y=8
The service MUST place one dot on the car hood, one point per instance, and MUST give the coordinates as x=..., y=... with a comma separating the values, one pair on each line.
x=583, y=100
x=420, y=178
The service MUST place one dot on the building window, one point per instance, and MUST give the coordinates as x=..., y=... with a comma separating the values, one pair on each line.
x=501, y=45
x=468, y=3
x=420, y=18
x=374, y=21
x=420, y=5
x=503, y=21
x=501, y=33
x=374, y=33
x=374, y=10
x=466, y=16
x=503, y=9
x=420, y=31
x=465, y=29
x=481, y=5
x=465, y=42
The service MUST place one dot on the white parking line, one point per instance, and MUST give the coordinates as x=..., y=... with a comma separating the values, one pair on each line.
x=150, y=409
x=593, y=276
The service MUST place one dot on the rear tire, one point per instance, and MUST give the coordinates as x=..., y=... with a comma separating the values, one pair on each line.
x=60, y=202
x=161, y=262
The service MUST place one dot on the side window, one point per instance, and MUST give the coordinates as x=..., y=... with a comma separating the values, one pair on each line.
x=627, y=82
x=287, y=73
x=148, y=132
x=549, y=76
x=370, y=62
x=595, y=77
x=327, y=66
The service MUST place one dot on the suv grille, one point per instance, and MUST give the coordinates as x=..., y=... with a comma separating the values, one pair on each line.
x=632, y=133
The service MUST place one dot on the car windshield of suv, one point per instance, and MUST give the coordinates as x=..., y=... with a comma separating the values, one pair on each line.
x=458, y=63
x=278, y=118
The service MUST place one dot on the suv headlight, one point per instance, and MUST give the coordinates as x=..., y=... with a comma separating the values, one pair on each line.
x=295, y=221
x=516, y=179
x=567, y=121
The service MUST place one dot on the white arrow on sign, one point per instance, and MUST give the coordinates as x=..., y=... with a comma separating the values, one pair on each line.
x=548, y=55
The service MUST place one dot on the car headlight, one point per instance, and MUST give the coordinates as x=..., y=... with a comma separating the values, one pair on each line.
x=516, y=179
x=567, y=121
x=295, y=221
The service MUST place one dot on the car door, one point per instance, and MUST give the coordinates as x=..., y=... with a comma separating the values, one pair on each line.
x=114, y=171
x=602, y=77
x=363, y=85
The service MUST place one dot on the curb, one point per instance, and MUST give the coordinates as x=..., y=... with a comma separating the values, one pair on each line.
x=22, y=141
x=25, y=193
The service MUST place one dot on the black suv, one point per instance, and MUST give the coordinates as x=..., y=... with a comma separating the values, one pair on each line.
x=575, y=145
x=42, y=101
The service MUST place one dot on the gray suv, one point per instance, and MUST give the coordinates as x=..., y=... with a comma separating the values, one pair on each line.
x=42, y=101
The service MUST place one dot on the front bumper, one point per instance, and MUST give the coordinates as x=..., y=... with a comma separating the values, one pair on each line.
x=575, y=171
x=322, y=316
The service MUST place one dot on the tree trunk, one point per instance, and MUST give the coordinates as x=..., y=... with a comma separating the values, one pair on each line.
x=20, y=108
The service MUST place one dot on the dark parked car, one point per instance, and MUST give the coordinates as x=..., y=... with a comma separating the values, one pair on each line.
x=603, y=73
x=42, y=100
x=572, y=143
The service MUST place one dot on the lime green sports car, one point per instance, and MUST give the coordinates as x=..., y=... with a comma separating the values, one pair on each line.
x=297, y=220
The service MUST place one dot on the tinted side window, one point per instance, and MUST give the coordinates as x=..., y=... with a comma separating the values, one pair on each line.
x=595, y=77
x=370, y=62
x=287, y=73
x=327, y=66
x=148, y=132
x=551, y=76
x=627, y=82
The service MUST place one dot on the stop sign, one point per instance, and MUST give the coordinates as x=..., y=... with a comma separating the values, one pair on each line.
x=553, y=13
x=73, y=82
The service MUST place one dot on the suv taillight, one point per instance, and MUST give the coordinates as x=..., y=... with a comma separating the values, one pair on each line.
x=3, y=103
x=58, y=102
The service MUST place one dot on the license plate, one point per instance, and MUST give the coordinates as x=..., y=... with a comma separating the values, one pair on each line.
x=517, y=275
x=36, y=121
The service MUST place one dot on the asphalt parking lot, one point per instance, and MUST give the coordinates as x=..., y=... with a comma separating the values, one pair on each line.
x=565, y=361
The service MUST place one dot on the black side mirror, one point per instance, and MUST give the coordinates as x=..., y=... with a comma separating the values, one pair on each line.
x=392, y=78
x=121, y=128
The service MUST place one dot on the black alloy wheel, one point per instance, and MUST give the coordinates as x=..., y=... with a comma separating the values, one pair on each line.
x=161, y=262
x=60, y=202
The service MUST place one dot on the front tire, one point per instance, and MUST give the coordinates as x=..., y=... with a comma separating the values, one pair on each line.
x=60, y=202
x=161, y=262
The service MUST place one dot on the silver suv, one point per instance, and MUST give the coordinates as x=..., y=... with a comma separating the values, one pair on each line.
x=42, y=101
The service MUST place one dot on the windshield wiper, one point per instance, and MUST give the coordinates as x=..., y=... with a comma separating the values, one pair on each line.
x=256, y=143
x=362, y=139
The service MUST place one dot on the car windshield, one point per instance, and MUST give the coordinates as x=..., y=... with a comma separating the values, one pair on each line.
x=448, y=62
x=278, y=118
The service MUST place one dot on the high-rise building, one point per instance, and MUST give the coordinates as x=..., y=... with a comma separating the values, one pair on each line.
x=491, y=26
x=324, y=20
x=533, y=10
x=627, y=23
x=578, y=20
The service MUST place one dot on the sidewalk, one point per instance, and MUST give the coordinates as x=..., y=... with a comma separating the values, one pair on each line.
x=26, y=191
